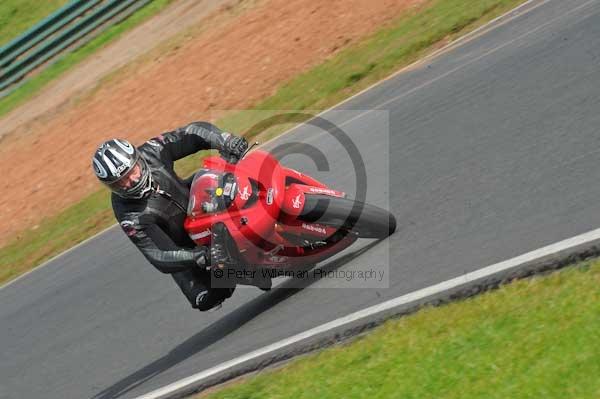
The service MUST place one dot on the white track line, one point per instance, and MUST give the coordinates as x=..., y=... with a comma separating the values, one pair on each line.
x=412, y=297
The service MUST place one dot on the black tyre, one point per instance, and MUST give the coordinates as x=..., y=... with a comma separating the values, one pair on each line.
x=368, y=221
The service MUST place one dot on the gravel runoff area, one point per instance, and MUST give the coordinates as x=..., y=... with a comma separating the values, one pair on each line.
x=243, y=54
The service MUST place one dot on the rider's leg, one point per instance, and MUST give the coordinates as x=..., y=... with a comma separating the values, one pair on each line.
x=223, y=251
x=195, y=285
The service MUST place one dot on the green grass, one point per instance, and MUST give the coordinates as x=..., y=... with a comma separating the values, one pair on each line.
x=66, y=62
x=349, y=71
x=535, y=338
x=16, y=16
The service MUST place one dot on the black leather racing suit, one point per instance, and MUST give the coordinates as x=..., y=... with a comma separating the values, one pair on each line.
x=155, y=224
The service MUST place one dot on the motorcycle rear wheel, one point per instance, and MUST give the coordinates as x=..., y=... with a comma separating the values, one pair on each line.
x=365, y=220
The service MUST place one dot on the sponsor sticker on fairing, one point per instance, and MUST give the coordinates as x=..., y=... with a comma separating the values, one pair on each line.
x=327, y=191
x=245, y=193
x=312, y=227
x=270, y=193
x=296, y=202
x=227, y=189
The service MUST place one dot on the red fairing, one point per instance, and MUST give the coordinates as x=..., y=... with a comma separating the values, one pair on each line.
x=261, y=209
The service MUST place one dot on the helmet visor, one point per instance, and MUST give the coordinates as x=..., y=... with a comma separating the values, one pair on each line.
x=135, y=183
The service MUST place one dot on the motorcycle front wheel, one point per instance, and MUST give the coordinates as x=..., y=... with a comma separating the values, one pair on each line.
x=364, y=220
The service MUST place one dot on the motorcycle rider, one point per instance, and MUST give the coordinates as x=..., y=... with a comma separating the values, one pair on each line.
x=150, y=202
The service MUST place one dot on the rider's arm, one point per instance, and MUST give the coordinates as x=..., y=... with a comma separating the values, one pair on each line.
x=188, y=140
x=158, y=247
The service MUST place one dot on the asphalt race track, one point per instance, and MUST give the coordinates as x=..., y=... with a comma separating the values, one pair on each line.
x=493, y=151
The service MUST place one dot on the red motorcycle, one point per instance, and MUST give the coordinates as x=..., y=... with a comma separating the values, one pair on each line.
x=277, y=218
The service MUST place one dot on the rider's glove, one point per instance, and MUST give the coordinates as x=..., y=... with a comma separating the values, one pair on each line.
x=201, y=257
x=233, y=147
x=215, y=256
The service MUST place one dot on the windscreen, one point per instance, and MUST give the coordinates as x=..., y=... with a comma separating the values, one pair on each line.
x=211, y=192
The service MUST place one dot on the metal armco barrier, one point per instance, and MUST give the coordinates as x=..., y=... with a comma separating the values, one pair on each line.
x=43, y=29
x=66, y=29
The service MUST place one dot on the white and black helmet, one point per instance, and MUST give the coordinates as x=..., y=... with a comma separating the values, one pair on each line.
x=118, y=164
